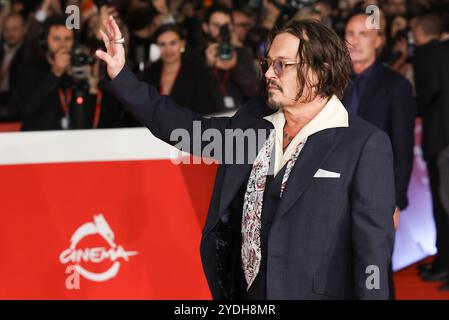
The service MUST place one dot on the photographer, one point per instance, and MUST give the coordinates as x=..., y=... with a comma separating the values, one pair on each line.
x=41, y=83
x=62, y=92
x=225, y=73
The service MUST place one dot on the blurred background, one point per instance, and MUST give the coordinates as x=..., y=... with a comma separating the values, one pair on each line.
x=51, y=80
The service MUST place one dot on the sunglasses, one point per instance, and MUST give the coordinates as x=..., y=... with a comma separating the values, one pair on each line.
x=278, y=65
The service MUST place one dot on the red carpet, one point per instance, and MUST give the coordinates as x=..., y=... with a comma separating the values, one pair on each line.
x=409, y=285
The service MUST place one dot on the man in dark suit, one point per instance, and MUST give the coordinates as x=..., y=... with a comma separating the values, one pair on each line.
x=383, y=98
x=309, y=217
x=11, y=58
x=431, y=72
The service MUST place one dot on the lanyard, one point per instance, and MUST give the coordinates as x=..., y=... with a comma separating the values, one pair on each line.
x=222, y=81
x=65, y=100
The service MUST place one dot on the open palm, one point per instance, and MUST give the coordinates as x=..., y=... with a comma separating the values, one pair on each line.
x=115, y=52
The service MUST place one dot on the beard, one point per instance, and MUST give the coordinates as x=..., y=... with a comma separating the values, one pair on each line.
x=272, y=103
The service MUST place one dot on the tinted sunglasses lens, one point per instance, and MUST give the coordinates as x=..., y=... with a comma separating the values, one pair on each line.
x=277, y=67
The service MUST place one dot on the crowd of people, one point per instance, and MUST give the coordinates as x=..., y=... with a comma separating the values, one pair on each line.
x=204, y=54
x=207, y=56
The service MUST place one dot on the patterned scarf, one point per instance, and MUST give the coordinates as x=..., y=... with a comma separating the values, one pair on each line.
x=252, y=206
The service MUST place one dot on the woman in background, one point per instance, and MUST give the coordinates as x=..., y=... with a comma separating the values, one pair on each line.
x=171, y=75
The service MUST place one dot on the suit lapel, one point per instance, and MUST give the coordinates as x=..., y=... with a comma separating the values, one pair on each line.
x=236, y=174
x=316, y=150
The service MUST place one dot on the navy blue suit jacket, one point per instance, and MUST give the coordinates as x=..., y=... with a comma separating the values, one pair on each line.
x=327, y=233
x=388, y=103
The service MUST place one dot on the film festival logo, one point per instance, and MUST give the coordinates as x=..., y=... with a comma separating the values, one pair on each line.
x=75, y=255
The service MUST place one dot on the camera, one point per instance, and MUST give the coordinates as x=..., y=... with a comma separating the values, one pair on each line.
x=225, y=46
x=80, y=63
x=81, y=105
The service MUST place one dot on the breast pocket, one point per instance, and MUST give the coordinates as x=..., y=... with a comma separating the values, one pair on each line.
x=327, y=182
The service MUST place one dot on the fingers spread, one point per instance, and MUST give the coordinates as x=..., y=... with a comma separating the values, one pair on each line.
x=104, y=56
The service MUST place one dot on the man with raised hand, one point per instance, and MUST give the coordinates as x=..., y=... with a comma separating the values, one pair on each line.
x=309, y=217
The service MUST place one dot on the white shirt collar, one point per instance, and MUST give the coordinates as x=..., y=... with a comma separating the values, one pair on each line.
x=333, y=115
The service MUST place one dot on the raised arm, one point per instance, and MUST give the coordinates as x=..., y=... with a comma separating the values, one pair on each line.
x=158, y=113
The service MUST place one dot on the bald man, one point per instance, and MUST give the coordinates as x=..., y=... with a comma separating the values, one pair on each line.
x=382, y=97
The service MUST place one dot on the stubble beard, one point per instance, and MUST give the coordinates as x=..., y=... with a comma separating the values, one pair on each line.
x=273, y=104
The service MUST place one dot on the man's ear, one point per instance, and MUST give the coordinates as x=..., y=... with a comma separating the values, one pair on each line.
x=205, y=27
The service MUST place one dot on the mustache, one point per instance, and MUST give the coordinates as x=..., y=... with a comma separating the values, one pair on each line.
x=275, y=84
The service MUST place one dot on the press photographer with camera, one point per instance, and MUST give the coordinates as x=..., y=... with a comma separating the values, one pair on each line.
x=63, y=91
x=225, y=72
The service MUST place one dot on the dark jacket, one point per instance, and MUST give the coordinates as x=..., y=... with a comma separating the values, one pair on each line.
x=14, y=80
x=388, y=103
x=183, y=90
x=431, y=72
x=327, y=233
x=14, y=67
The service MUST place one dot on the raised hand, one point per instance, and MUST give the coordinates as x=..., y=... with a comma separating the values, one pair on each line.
x=115, y=52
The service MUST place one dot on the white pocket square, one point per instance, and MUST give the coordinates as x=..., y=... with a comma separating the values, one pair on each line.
x=326, y=174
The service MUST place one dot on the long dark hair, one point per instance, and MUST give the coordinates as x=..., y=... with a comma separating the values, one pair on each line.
x=321, y=51
x=168, y=27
